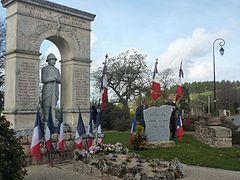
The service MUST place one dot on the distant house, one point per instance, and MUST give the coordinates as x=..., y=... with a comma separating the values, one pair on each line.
x=238, y=109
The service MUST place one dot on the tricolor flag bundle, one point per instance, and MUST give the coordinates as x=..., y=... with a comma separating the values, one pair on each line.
x=99, y=129
x=80, y=131
x=50, y=129
x=103, y=87
x=133, y=129
x=90, y=130
x=36, y=137
x=156, y=87
x=179, y=132
x=179, y=90
x=61, y=133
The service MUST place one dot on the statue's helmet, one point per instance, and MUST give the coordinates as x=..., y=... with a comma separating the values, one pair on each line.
x=51, y=56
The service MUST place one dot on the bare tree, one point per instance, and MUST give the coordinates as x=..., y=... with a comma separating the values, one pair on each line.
x=128, y=76
x=166, y=78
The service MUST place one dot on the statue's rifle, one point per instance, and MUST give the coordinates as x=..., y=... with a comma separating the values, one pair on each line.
x=54, y=100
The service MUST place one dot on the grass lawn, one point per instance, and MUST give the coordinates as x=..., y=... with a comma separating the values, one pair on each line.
x=188, y=151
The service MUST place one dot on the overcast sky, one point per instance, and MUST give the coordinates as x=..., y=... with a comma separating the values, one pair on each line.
x=170, y=30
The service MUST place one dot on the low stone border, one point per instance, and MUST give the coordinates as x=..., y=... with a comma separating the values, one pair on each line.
x=126, y=166
x=215, y=136
x=69, y=146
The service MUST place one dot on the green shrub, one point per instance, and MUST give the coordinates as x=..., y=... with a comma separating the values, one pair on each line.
x=139, y=138
x=116, y=118
x=12, y=160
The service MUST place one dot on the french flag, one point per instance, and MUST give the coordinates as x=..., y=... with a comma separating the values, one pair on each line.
x=133, y=129
x=179, y=132
x=50, y=129
x=80, y=131
x=103, y=87
x=37, y=135
x=61, y=133
x=179, y=90
x=90, y=130
x=156, y=87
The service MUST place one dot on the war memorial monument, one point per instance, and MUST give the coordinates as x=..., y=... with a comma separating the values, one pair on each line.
x=29, y=23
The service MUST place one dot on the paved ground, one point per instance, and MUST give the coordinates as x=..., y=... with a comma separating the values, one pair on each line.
x=58, y=172
x=65, y=172
x=203, y=173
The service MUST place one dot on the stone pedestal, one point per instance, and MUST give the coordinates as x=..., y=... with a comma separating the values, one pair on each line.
x=161, y=144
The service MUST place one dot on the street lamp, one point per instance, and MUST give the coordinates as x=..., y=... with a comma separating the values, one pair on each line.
x=221, y=44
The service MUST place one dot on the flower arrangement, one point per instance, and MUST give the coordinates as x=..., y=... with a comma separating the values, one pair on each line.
x=81, y=154
x=139, y=138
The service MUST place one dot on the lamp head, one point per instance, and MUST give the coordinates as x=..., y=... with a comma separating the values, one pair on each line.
x=221, y=50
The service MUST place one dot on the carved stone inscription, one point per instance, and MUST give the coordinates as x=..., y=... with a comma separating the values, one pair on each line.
x=49, y=15
x=27, y=90
x=82, y=87
x=157, y=123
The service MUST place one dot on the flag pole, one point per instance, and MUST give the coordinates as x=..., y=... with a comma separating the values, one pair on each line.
x=63, y=154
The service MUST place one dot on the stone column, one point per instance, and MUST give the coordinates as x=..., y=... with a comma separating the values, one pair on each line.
x=21, y=88
x=75, y=89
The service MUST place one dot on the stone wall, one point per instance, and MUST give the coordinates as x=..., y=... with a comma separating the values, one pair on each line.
x=215, y=136
x=57, y=155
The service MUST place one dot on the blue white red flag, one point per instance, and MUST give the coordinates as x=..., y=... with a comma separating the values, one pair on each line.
x=179, y=90
x=103, y=86
x=50, y=129
x=80, y=131
x=36, y=137
x=179, y=132
x=133, y=129
x=156, y=87
x=61, y=133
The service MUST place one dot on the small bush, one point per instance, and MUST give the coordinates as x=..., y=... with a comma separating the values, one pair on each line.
x=139, y=138
x=116, y=118
x=12, y=160
x=188, y=122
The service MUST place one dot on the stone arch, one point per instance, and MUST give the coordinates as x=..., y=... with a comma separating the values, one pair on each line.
x=28, y=24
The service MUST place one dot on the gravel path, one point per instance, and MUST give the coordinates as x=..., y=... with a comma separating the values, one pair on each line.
x=65, y=172
x=204, y=173
x=58, y=172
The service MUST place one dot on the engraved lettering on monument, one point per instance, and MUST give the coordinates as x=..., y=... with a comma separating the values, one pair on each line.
x=44, y=14
x=27, y=86
x=81, y=85
x=157, y=123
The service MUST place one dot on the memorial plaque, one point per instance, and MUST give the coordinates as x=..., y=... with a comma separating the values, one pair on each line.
x=157, y=121
x=27, y=86
x=82, y=85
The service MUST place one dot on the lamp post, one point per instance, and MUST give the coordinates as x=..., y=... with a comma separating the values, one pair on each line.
x=221, y=44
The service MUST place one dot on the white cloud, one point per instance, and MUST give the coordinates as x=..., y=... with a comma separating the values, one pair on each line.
x=185, y=49
x=195, y=52
x=199, y=72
